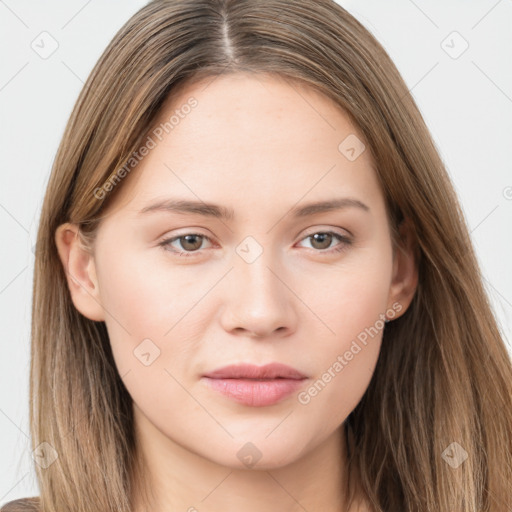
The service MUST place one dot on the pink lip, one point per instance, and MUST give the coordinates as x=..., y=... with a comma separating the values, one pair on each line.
x=255, y=386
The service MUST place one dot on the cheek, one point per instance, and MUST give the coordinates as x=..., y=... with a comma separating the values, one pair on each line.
x=137, y=303
x=155, y=316
x=148, y=326
x=345, y=362
x=354, y=296
x=143, y=294
x=354, y=310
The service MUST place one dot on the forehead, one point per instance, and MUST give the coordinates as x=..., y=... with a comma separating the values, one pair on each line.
x=258, y=135
x=253, y=108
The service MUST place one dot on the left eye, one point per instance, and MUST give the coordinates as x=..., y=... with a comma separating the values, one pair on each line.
x=191, y=243
x=321, y=237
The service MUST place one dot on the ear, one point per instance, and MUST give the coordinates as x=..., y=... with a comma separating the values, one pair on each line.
x=405, y=269
x=79, y=266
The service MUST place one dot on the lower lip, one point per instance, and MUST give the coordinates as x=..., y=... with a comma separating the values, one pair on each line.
x=255, y=393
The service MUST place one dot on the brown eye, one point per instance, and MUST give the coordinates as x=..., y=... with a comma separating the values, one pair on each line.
x=191, y=242
x=186, y=245
x=321, y=240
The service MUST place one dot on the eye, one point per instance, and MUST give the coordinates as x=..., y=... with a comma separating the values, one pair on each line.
x=189, y=242
x=322, y=240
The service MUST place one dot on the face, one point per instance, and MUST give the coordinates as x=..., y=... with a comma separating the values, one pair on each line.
x=185, y=292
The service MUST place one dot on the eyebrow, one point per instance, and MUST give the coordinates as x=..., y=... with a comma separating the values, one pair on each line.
x=221, y=212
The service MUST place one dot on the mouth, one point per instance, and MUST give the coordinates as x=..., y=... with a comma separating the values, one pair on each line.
x=255, y=386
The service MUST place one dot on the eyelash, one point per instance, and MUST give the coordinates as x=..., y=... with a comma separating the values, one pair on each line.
x=186, y=254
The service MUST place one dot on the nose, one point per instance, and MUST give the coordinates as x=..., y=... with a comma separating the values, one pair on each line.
x=258, y=302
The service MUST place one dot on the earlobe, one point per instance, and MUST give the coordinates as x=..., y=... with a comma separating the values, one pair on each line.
x=405, y=269
x=79, y=266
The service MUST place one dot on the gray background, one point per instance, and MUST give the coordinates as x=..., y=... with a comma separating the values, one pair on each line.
x=465, y=97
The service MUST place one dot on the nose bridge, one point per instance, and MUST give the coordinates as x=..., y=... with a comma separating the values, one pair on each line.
x=258, y=300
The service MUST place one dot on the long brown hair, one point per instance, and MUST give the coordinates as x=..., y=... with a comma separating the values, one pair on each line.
x=443, y=381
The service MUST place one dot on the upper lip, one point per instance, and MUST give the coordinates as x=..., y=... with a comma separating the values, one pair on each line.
x=250, y=371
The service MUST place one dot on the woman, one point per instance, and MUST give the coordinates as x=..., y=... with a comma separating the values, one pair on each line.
x=325, y=343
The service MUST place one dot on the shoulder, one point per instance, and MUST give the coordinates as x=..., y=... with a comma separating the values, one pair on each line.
x=22, y=505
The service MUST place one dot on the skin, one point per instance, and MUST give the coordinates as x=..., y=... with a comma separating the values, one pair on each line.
x=261, y=146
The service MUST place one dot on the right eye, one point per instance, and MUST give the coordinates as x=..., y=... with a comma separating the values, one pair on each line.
x=190, y=244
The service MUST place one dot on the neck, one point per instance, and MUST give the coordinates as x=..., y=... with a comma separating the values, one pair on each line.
x=172, y=477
